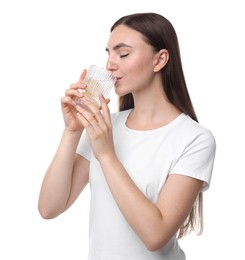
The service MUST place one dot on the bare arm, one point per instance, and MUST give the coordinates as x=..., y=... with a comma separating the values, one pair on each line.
x=67, y=174
x=65, y=178
x=157, y=223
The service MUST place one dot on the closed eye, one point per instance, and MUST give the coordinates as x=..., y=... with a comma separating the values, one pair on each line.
x=124, y=55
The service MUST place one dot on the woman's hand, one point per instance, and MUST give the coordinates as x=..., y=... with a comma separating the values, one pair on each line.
x=68, y=104
x=97, y=122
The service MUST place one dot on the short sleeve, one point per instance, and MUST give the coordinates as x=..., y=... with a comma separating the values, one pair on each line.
x=84, y=147
x=197, y=159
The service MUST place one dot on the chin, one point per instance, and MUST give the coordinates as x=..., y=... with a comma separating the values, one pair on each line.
x=121, y=93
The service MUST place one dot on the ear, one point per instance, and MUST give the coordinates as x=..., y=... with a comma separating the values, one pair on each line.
x=160, y=60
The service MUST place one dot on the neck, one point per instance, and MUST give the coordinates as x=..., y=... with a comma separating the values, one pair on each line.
x=151, y=111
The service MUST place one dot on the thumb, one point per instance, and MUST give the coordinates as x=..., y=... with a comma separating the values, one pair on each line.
x=82, y=76
x=107, y=101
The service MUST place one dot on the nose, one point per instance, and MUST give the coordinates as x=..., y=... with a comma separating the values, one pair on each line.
x=111, y=65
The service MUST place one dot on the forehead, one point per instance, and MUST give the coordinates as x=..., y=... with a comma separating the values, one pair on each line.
x=126, y=35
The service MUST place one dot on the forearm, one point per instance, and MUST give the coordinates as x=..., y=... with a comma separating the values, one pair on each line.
x=143, y=216
x=56, y=185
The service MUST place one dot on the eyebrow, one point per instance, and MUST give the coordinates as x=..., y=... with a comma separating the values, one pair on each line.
x=118, y=46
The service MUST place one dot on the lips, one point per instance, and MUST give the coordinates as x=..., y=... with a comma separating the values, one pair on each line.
x=118, y=78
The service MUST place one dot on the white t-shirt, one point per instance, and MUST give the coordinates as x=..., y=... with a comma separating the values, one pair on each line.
x=181, y=147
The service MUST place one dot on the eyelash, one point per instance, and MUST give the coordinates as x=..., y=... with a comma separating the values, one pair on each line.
x=124, y=55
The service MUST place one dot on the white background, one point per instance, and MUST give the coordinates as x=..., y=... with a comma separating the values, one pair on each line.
x=44, y=46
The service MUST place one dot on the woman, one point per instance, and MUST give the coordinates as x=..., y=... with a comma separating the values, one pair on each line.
x=148, y=164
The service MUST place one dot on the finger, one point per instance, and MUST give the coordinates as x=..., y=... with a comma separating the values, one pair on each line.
x=73, y=94
x=78, y=85
x=96, y=120
x=66, y=101
x=105, y=109
x=107, y=100
x=82, y=76
x=87, y=119
x=66, y=104
x=86, y=125
x=91, y=106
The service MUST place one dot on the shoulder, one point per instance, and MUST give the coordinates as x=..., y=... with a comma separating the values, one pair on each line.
x=186, y=132
x=119, y=116
x=195, y=132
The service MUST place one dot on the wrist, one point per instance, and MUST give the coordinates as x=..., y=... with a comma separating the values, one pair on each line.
x=108, y=159
x=71, y=133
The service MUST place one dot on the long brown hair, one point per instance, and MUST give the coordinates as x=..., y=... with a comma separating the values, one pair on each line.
x=160, y=34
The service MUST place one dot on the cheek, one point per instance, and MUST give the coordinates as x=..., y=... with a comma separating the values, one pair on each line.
x=141, y=72
x=142, y=65
x=138, y=73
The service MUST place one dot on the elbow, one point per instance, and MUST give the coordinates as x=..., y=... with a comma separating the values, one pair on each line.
x=155, y=243
x=153, y=246
x=45, y=216
x=45, y=213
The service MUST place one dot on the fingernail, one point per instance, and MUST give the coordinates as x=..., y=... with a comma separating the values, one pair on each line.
x=81, y=90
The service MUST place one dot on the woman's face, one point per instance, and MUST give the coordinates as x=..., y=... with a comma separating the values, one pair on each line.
x=130, y=59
